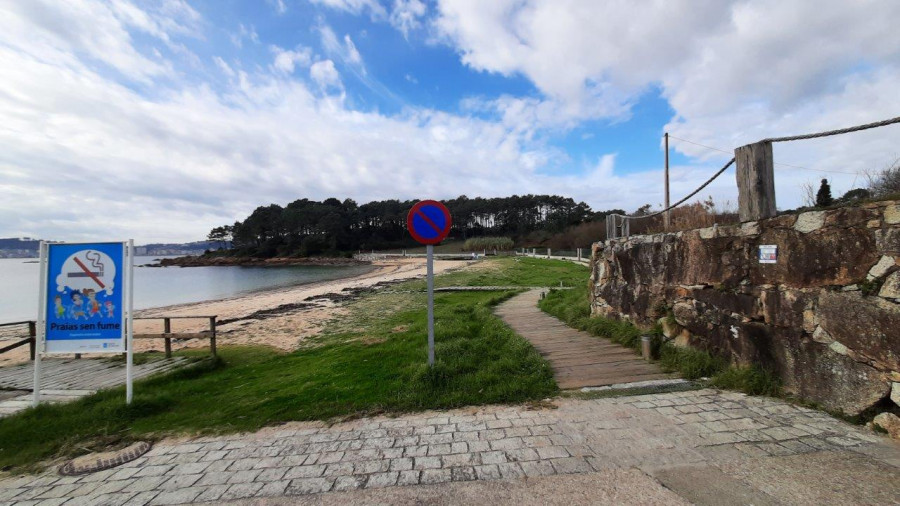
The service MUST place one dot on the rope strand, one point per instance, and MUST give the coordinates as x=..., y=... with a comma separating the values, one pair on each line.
x=673, y=206
x=835, y=132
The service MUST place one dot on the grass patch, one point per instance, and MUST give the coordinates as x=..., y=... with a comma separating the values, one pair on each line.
x=514, y=271
x=371, y=361
x=573, y=307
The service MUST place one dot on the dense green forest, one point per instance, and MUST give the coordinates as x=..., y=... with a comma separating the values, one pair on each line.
x=307, y=227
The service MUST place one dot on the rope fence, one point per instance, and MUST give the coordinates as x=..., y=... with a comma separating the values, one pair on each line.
x=617, y=224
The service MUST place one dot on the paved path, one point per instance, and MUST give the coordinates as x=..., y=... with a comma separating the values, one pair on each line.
x=731, y=447
x=578, y=358
x=66, y=379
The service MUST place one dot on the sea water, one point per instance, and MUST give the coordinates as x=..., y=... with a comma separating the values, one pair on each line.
x=164, y=286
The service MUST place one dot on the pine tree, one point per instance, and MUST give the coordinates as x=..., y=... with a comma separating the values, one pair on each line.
x=823, y=196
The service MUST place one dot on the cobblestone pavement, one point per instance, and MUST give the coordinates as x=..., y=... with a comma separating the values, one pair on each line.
x=491, y=443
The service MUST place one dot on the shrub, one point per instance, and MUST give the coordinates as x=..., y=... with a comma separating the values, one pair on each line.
x=488, y=244
x=886, y=181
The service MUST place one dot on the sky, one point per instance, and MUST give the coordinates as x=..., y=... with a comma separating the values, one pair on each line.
x=158, y=120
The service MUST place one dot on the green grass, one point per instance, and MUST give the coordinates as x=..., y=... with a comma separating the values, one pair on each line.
x=372, y=360
x=573, y=307
x=515, y=271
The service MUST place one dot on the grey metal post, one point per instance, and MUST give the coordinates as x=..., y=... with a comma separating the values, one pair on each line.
x=756, y=181
x=429, y=270
x=579, y=254
x=41, y=325
x=129, y=343
x=548, y=252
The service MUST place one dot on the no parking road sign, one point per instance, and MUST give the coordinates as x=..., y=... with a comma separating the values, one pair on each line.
x=428, y=222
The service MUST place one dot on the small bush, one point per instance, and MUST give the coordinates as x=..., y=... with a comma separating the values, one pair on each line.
x=488, y=244
x=886, y=181
x=752, y=380
x=690, y=363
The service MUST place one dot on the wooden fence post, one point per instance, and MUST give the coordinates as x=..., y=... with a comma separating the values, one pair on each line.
x=32, y=333
x=167, y=329
x=212, y=337
x=756, y=181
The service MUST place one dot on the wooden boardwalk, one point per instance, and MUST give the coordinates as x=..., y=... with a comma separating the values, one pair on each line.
x=65, y=379
x=578, y=358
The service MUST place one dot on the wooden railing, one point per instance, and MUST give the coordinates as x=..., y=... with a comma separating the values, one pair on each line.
x=168, y=335
x=29, y=340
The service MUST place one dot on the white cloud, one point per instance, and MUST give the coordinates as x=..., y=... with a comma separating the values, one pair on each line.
x=83, y=156
x=406, y=15
x=352, y=54
x=734, y=72
x=375, y=9
x=285, y=60
x=279, y=6
x=223, y=66
x=244, y=33
x=325, y=75
x=62, y=33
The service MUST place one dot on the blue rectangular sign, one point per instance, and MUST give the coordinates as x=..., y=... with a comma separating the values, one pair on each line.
x=84, y=298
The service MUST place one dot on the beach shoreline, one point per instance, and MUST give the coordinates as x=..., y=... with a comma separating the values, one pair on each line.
x=214, y=261
x=280, y=317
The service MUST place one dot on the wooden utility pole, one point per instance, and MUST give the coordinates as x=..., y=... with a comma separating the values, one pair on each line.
x=756, y=181
x=666, y=217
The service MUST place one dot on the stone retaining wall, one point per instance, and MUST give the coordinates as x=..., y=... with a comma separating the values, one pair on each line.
x=825, y=317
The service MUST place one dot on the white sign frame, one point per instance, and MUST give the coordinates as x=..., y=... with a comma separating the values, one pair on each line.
x=127, y=332
x=768, y=253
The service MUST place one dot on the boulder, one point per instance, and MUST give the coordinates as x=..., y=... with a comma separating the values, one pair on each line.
x=815, y=371
x=884, y=265
x=809, y=222
x=889, y=422
x=866, y=325
x=892, y=214
x=891, y=287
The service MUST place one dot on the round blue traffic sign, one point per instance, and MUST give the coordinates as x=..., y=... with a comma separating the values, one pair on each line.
x=428, y=222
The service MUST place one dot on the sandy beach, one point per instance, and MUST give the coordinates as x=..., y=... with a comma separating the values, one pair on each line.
x=282, y=318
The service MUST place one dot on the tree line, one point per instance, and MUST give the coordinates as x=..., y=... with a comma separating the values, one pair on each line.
x=307, y=227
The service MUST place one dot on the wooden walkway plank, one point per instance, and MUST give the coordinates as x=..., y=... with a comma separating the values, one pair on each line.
x=578, y=359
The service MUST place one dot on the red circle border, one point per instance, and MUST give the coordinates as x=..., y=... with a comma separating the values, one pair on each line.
x=440, y=237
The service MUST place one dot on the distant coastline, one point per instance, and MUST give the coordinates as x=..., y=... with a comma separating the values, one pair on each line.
x=211, y=261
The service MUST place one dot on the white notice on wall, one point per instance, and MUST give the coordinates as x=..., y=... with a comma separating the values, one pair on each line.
x=768, y=253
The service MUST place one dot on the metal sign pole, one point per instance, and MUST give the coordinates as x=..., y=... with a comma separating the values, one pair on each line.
x=430, y=274
x=41, y=325
x=129, y=344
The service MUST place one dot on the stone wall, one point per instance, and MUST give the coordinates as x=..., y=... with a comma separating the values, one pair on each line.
x=825, y=317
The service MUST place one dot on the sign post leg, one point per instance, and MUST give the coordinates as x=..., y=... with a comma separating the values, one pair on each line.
x=41, y=325
x=129, y=343
x=430, y=276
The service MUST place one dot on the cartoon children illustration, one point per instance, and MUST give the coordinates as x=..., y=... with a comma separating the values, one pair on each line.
x=77, y=309
x=58, y=307
x=110, y=309
x=93, y=305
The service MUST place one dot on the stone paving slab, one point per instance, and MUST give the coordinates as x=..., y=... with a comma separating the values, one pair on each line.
x=647, y=432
